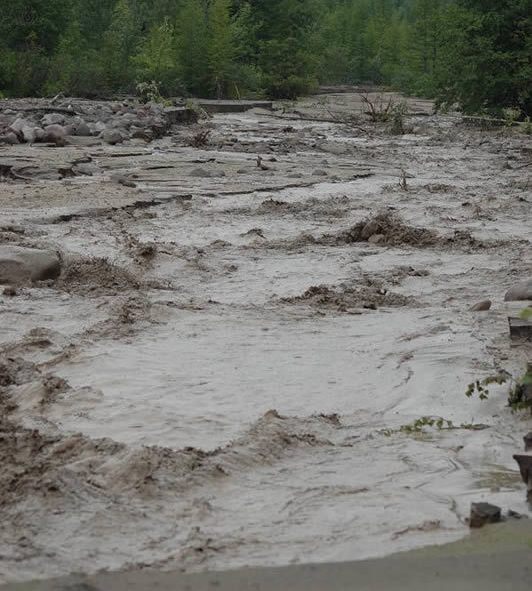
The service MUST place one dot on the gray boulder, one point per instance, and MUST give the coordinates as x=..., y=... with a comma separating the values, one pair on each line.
x=98, y=127
x=19, y=265
x=112, y=136
x=55, y=134
x=10, y=138
x=520, y=292
x=81, y=128
x=52, y=119
x=19, y=124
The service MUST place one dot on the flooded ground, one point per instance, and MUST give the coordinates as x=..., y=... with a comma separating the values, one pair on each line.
x=230, y=368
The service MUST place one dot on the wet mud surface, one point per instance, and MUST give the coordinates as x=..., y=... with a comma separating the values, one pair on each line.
x=220, y=374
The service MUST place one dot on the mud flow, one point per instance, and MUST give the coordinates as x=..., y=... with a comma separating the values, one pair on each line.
x=217, y=339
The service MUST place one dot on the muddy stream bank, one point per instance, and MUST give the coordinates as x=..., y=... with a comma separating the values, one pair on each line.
x=219, y=375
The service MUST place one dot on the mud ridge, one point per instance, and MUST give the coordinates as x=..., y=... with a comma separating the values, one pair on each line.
x=344, y=298
x=51, y=466
x=387, y=229
x=95, y=276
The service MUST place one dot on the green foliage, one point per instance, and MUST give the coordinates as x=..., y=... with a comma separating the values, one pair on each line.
x=423, y=424
x=526, y=313
x=397, y=119
x=118, y=45
x=149, y=92
x=480, y=387
x=471, y=53
x=520, y=395
x=155, y=59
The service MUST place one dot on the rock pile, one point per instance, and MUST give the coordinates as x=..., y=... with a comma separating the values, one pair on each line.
x=112, y=123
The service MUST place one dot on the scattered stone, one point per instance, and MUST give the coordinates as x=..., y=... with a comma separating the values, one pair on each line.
x=85, y=168
x=127, y=183
x=484, y=513
x=520, y=292
x=482, y=306
x=10, y=291
x=19, y=265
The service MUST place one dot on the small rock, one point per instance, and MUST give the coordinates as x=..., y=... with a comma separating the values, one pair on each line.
x=520, y=292
x=10, y=291
x=320, y=172
x=484, y=513
x=123, y=180
x=85, y=168
x=482, y=306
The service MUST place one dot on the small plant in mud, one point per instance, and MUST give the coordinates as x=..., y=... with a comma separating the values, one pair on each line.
x=480, y=387
x=511, y=115
x=199, y=139
x=526, y=314
x=419, y=425
x=398, y=113
x=149, y=92
x=200, y=112
x=520, y=397
x=520, y=394
x=403, y=183
x=527, y=126
x=379, y=109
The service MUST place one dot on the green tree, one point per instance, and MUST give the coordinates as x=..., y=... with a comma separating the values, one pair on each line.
x=489, y=65
x=192, y=46
x=221, y=49
x=119, y=44
x=156, y=60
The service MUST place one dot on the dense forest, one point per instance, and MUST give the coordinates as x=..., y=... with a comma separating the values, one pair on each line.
x=474, y=52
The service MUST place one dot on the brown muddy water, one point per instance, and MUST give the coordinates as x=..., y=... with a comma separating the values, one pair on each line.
x=220, y=375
